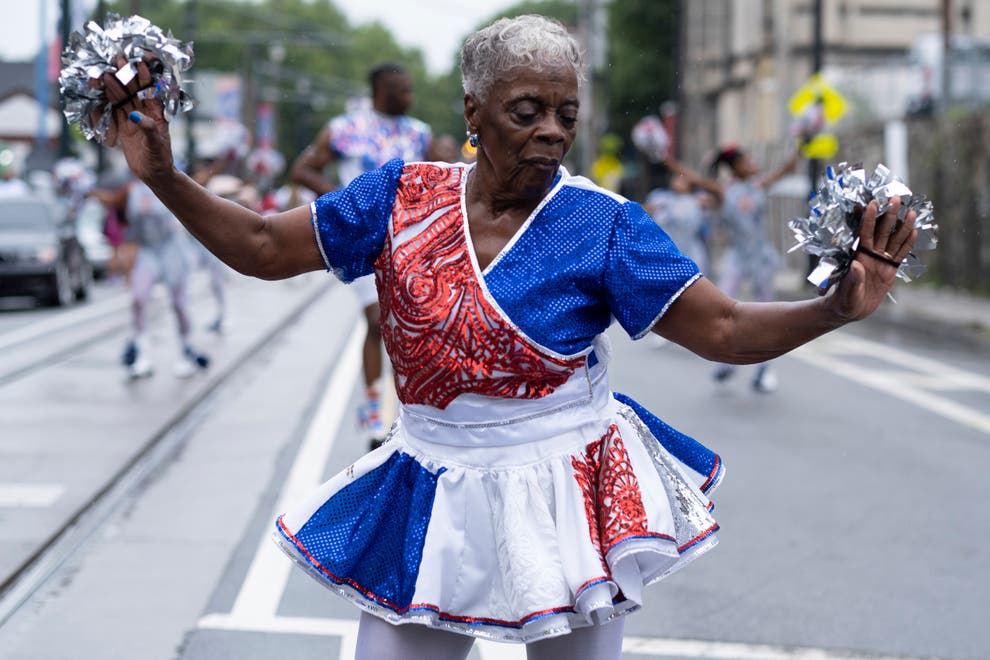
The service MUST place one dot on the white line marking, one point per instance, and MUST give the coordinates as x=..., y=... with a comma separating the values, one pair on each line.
x=262, y=589
x=891, y=384
x=346, y=629
x=495, y=651
x=24, y=495
x=650, y=646
x=693, y=648
x=909, y=361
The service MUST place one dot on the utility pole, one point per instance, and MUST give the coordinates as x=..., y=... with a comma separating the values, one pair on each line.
x=680, y=23
x=592, y=34
x=101, y=154
x=817, y=55
x=64, y=146
x=192, y=23
x=946, y=87
x=41, y=81
x=586, y=128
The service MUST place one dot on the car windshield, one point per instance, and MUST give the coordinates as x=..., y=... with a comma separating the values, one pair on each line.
x=25, y=215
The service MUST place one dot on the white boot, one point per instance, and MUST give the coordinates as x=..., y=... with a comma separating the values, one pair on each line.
x=136, y=360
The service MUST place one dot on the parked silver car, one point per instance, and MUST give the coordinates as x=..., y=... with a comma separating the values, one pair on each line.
x=40, y=252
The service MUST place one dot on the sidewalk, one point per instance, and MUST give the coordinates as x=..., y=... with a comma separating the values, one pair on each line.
x=921, y=309
x=948, y=313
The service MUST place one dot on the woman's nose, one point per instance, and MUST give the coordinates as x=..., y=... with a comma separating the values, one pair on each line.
x=551, y=130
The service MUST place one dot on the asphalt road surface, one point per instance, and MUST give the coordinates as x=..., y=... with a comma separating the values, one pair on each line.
x=135, y=517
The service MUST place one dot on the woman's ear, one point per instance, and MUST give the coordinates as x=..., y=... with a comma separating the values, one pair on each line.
x=471, y=110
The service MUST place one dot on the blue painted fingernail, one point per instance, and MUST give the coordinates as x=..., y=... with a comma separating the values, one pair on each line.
x=135, y=117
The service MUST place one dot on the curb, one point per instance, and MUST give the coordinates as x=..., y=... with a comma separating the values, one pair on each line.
x=921, y=311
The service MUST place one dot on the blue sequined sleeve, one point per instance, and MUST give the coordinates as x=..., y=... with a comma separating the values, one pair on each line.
x=351, y=223
x=644, y=270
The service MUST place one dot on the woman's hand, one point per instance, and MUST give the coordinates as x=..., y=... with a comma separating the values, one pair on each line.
x=138, y=124
x=872, y=272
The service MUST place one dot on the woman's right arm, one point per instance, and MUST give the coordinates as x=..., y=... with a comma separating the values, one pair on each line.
x=271, y=247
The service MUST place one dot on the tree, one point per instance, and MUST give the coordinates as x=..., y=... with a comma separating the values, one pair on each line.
x=641, y=60
x=306, y=57
x=302, y=55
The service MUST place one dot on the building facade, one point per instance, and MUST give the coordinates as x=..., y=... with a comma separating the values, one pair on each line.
x=743, y=59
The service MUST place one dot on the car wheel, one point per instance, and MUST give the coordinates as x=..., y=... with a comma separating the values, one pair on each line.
x=61, y=293
x=85, y=281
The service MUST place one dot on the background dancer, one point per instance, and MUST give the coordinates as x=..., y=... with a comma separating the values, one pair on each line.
x=517, y=498
x=684, y=209
x=750, y=256
x=361, y=140
x=163, y=255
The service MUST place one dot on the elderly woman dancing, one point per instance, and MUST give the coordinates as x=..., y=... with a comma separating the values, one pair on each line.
x=517, y=499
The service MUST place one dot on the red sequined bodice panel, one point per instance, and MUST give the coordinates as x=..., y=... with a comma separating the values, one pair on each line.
x=443, y=336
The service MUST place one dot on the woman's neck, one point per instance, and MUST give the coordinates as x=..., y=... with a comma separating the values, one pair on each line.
x=499, y=197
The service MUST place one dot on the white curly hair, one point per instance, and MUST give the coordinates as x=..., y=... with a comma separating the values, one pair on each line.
x=529, y=40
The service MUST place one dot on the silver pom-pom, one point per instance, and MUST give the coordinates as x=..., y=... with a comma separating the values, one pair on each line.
x=91, y=53
x=831, y=230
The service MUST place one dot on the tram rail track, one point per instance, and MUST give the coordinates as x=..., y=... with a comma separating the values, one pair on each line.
x=34, y=346
x=35, y=572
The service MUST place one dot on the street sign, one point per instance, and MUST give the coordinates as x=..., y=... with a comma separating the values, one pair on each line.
x=815, y=106
x=815, y=90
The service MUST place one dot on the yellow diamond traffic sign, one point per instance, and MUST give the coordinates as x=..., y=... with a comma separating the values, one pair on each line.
x=817, y=88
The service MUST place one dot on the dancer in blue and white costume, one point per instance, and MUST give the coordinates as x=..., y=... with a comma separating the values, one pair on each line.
x=517, y=499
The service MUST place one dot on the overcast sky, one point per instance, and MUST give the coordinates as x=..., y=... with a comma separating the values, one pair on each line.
x=436, y=27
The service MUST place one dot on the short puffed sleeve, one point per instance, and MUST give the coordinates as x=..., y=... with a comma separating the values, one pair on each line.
x=351, y=223
x=644, y=270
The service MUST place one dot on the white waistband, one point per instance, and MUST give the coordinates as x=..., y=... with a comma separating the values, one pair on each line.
x=473, y=420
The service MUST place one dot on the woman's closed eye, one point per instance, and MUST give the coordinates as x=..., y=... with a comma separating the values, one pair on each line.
x=526, y=113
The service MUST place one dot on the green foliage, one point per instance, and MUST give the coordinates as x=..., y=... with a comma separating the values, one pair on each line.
x=640, y=67
x=302, y=55
x=565, y=11
x=306, y=57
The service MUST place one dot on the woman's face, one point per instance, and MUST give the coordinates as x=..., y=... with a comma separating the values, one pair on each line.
x=526, y=126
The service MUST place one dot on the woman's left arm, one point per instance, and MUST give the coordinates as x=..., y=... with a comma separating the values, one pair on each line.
x=709, y=323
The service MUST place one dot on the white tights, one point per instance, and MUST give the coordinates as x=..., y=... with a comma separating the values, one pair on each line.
x=380, y=640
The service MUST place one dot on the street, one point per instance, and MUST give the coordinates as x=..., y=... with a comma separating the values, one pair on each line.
x=135, y=517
